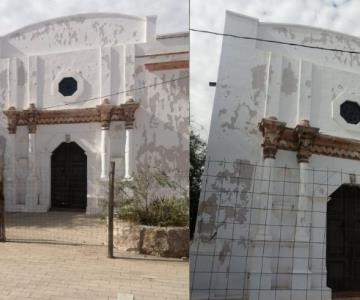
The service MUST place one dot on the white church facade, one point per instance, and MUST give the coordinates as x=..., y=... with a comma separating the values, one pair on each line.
x=279, y=211
x=80, y=91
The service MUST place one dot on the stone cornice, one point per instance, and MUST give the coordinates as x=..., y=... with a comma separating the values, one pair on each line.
x=306, y=140
x=104, y=113
x=167, y=65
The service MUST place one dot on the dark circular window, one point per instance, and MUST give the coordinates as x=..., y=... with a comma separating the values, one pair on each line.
x=67, y=86
x=350, y=111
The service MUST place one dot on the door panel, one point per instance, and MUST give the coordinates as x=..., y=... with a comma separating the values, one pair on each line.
x=343, y=239
x=69, y=177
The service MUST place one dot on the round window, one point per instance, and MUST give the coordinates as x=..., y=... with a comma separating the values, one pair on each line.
x=350, y=111
x=68, y=86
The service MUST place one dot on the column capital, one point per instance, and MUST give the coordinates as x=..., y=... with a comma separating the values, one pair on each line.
x=305, y=135
x=13, y=118
x=130, y=107
x=105, y=112
x=32, y=115
x=271, y=130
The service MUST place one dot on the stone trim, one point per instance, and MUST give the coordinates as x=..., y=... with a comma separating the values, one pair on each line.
x=167, y=65
x=305, y=140
x=173, y=35
x=32, y=117
x=271, y=130
x=162, y=54
x=13, y=118
x=104, y=113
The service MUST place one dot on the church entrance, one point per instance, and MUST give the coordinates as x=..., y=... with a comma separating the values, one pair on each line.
x=68, y=177
x=343, y=240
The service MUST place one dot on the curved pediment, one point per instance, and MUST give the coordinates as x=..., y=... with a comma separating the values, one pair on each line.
x=76, y=32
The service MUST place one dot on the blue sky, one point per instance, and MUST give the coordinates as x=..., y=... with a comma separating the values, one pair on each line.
x=339, y=15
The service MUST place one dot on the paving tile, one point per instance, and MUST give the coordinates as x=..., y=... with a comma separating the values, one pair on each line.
x=45, y=271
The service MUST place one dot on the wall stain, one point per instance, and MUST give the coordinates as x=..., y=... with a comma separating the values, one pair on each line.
x=258, y=77
x=21, y=75
x=225, y=251
x=233, y=119
x=289, y=81
x=235, y=184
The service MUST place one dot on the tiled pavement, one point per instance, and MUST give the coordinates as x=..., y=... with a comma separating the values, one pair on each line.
x=56, y=227
x=47, y=271
x=47, y=266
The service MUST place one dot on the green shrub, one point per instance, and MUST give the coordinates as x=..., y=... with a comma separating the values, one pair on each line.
x=152, y=198
x=163, y=211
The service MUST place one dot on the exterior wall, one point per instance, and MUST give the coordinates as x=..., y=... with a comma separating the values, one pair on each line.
x=163, y=139
x=106, y=54
x=256, y=80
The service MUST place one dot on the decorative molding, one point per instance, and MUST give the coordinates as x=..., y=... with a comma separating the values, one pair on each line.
x=129, y=114
x=271, y=130
x=104, y=113
x=13, y=118
x=305, y=140
x=105, y=110
x=336, y=107
x=32, y=116
x=162, y=54
x=167, y=65
x=173, y=35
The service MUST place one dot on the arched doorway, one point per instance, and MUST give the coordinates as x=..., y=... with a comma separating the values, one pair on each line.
x=343, y=240
x=68, y=177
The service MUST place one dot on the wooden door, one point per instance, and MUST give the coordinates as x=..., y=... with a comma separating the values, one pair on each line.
x=343, y=240
x=68, y=177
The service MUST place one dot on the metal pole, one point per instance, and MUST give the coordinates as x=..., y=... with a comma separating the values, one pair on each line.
x=111, y=211
x=2, y=204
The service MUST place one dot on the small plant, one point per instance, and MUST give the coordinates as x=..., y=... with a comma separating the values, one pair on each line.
x=152, y=198
x=160, y=212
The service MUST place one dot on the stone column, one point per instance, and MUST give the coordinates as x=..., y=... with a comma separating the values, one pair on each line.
x=128, y=152
x=261, y=248
x=32, y=154
x=10, y=179
x=264, y=232
x=105, y=111
x=301, y=265
x=32, y=183
x=130, y=108
x=271, y=129
x=104, y=153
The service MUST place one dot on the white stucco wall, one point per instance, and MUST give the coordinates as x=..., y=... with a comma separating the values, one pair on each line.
x=106, y=54
x=258, y=79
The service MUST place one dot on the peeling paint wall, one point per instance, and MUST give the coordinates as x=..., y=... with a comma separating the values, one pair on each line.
x=106, y=55
x=256, y=80
x=76, y=32
x=163, y=139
